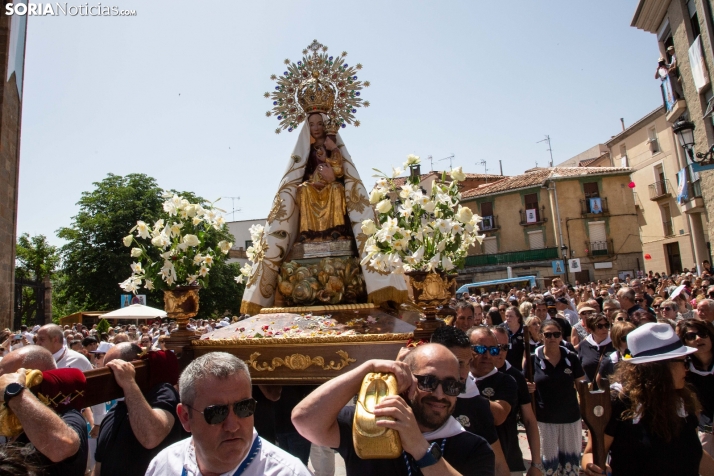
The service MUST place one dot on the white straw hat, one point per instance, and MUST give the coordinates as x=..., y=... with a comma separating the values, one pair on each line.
x=653, y=342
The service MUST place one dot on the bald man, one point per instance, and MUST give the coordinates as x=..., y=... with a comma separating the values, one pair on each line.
x=61, y=440
x=434, y=443
x=51, y=337
x=140, y=426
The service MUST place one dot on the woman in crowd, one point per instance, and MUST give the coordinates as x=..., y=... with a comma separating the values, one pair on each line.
x=536, y=339
x=145, y=341
x=653, y=423
x=682, y=301
x=555, y=371
x=620, y=316
x=596, y=346
x=526, y=309
x=618, y=335
x=698, y=334
x=493, y=318
x=514, y=325
x=161, y=342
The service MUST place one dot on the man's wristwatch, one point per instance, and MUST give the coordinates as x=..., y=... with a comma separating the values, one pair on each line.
x=538, y=466
x=432, y=456
x=12, y=390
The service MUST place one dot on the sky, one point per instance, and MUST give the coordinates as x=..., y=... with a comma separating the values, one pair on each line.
x=176, y=92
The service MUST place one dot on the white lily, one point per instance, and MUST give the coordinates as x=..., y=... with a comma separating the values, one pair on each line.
x=142, y=230
x=135, y=252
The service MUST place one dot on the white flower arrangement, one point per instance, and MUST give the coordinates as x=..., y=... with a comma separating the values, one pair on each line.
x=181, y=237
x=255, y=251
x=415, y=231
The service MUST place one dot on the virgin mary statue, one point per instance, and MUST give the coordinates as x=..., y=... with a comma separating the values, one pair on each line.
x=321, y=197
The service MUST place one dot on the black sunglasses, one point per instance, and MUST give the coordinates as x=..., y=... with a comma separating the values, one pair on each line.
x=549, y=335
x=667, y=308
x=450, y=386
x=494, y=350
x=694, y=335
x=603, y=326
x=216, y=414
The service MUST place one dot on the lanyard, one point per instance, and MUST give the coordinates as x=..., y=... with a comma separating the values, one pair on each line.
x=254, y=450
x=406, y=457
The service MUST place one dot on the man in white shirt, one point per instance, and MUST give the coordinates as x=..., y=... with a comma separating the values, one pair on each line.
x=50, y=337
x=217, y=409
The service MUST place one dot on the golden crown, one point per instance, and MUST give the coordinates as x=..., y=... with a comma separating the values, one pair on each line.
x=317, y=83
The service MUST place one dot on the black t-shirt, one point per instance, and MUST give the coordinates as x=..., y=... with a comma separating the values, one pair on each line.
x=118, y=450
x=704, y=386
x=590, y=357
x=264, y=417
x=633, y=310
x=467, y=453
x=607, y=366
x=76, y=464
x=636, y=451
x=290, y=396
x=516, y=347
x=555, y=395
x=475, y=416
x=508, y=431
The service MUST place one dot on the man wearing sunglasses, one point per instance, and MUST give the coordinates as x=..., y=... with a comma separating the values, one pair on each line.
x=217, y=409
x=433, y=442
x=499, y=388
x=140, y=426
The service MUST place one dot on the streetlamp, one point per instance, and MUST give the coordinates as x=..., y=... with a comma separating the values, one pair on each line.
x=685, y=134
x=564, y=251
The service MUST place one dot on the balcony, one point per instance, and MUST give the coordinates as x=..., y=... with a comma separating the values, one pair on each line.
x=599, y=248
x=660, y=190
x=543, y=254
x=674, y=107
x=668, y=228
x=695, y=202
x=587, y=209
x=638, y=203
x=489, y=223
x=540, y=217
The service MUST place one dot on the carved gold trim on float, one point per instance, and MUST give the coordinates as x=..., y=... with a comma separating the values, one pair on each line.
x=299, y=362
x=326, y=339
x=336, y=307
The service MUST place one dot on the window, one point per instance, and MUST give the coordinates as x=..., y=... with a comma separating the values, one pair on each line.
x=490, y=245
x=535, y=240
x=652, y=139
x=623, y=156
x=591, y=190
x=667, y=220
x=248, y=244
x=598, y=238
x=486, y=209
x=532, y=204
x=693, y=19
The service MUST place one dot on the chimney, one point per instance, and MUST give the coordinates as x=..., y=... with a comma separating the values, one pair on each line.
x=416, y=171
x=622, y=121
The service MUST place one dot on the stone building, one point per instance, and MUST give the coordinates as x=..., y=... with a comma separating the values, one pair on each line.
x=688, y=27
x=546, y=214
x=12, y=63
x=674, y=232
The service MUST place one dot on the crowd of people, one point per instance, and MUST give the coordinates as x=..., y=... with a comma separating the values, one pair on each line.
x=506, y=363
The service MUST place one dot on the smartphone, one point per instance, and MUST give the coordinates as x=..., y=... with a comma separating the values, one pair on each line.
x=17, y=337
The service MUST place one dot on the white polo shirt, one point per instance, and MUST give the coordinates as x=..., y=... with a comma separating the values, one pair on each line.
x=180, y=458
x=68, y=358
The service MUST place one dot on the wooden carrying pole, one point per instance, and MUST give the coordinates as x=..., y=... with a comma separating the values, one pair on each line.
x=595, y=409
x=529, y=362
x=101, y=386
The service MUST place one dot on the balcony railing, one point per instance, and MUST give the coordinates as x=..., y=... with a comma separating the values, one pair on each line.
x=668, y=228
x=524, y=256
x=694, y=190
x=660, y=190
x=489, y=223
x=540, y=217
x=599, y=248
x=587, y=208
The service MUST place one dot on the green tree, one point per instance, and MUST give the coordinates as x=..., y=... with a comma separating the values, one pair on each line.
x=96, y=260
x=35, y=260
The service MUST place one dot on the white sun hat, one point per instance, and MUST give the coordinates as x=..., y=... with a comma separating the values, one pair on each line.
x=653, y=342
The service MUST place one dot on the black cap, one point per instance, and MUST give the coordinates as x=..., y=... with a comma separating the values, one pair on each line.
x=563, y=300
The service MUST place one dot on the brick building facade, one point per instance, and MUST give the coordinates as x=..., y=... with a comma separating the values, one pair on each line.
x=12, y=54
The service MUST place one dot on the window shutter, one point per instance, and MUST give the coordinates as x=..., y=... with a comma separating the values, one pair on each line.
x=598, y=238
x=490, y=246
x=535, y=240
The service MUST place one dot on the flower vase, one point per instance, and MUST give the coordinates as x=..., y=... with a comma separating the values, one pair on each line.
x=181, y=304
x=432, y=292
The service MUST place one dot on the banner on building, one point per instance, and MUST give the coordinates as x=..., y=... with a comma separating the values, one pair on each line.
x=575, y=265
x=595, y=205
x=558, y=266
x=531, y=216
x=129, y=299
x=667, y=94
x=682, y=192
